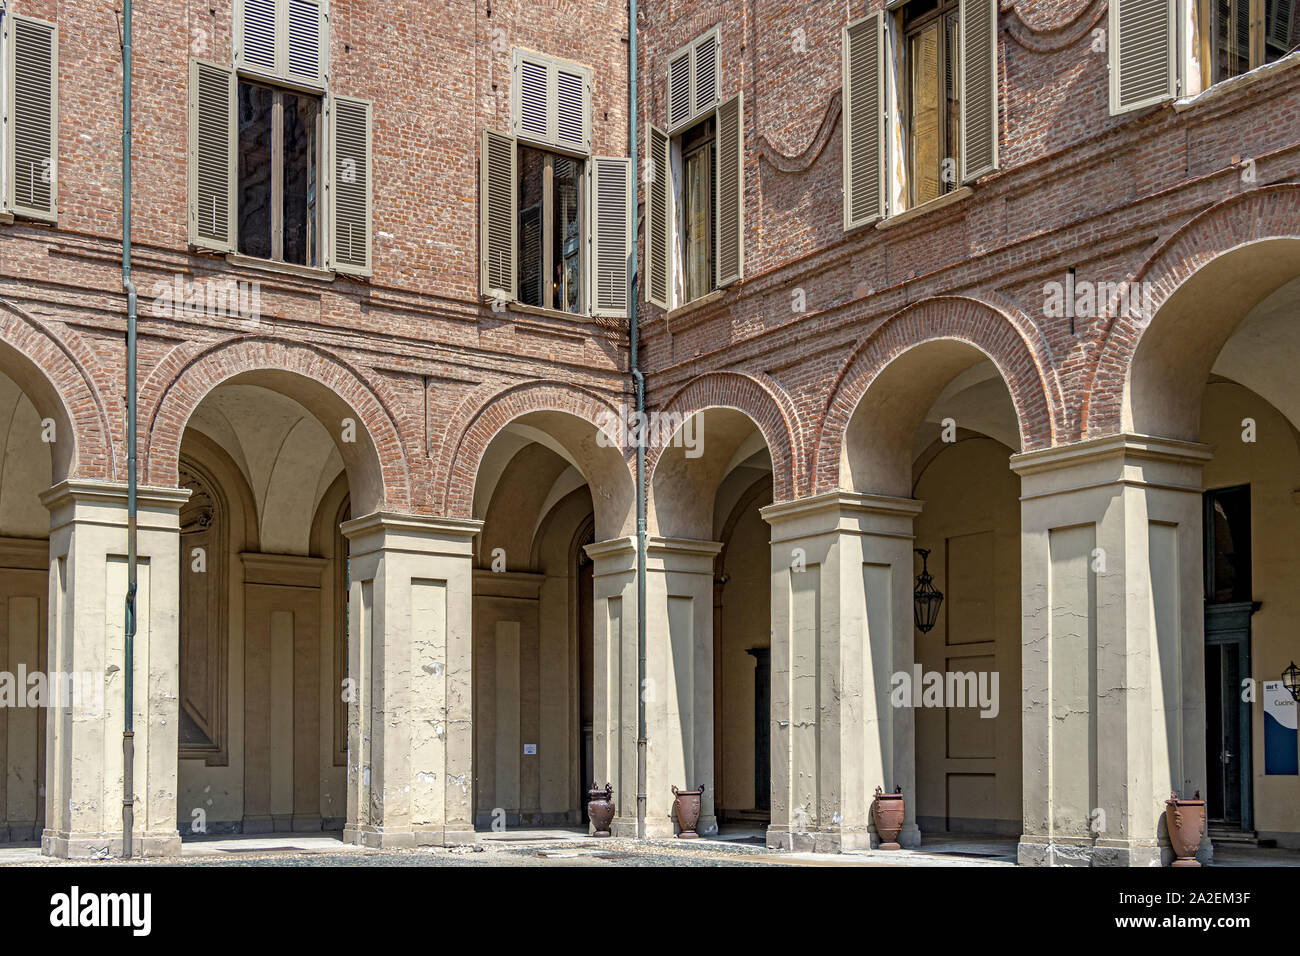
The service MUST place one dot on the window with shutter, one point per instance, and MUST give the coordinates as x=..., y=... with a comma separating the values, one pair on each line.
x=659, y=194
x=695, y=216
x=32, y=117
x=1142, y=60
x=283, y=39
x=979, y=88
x=350, y=199
x=211, y=156
x=551, y=102
x=864, y=121
x=611, y=191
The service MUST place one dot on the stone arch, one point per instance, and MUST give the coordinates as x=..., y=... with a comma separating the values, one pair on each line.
x=1008, y=339
x=585, y=426
x=1265, y=219
x=56, y=371
x=327, y=386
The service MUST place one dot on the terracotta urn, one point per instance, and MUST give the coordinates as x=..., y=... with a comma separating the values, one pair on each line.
x=688, y=812
x=1186, y=822
x=600, y=808
x=887, y=814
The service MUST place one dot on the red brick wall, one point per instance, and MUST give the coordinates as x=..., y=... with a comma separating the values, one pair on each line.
x=416, y=336
x=1076, y=188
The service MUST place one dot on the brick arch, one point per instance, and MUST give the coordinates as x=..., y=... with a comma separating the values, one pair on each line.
x=57, y=372
x=767, y=406
x=186, y=376
x=1007, y=337
x=1271, y=212
x=481, y=417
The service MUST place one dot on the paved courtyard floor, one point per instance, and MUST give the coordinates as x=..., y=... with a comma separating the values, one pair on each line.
x=573, y=847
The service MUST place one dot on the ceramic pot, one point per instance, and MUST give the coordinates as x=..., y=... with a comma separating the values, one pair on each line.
x=1186, y=822
x=688, y=812
x=887, y=814
x=600, y=808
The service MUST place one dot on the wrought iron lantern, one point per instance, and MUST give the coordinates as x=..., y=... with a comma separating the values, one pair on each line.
x=926, y=598
x=1291, y=680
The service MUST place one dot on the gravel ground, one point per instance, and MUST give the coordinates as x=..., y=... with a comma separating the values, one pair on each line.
x=488, y=852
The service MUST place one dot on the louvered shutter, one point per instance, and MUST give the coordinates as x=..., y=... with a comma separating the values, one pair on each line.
x=705, y=69
x=32, y=144
x=729, y=216
x=1142, y=61
x=611, y=216
x=659, y=271
x=211, y=156
x=306, y=34
x=256, y=30
x=498, y=186
x=680, y=108
x=350, y=186
x=979, y=88
x=864, y=121
x=572, y=121
x=533, y=105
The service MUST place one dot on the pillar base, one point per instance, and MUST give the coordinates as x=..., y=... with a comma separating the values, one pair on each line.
x=395, y=838
x=98, y=846
x=1043, y=851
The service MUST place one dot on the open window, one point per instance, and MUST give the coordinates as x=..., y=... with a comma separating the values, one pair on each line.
x=1240, y=35
x=695, y=203
x=555, y=221
x=279, y=165
x=920, y=104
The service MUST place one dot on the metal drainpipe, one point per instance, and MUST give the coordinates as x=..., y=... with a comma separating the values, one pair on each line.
x=634, y=329
x=132, y=557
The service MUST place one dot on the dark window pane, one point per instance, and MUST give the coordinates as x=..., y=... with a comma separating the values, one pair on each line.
x=301, y=178
x=1229, y=517
x=532, y=194
x=566, y=184
x=254, y=183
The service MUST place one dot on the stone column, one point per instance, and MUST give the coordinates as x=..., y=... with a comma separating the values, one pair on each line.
x=410, y=740
x=841, y=627
x=614, y=671
x=679, y=680
x=87, y=636
x=1113, y=647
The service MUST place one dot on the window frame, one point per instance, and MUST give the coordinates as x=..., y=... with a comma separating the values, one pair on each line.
x=547, y=216
x=707, y=143
x=316, y=255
